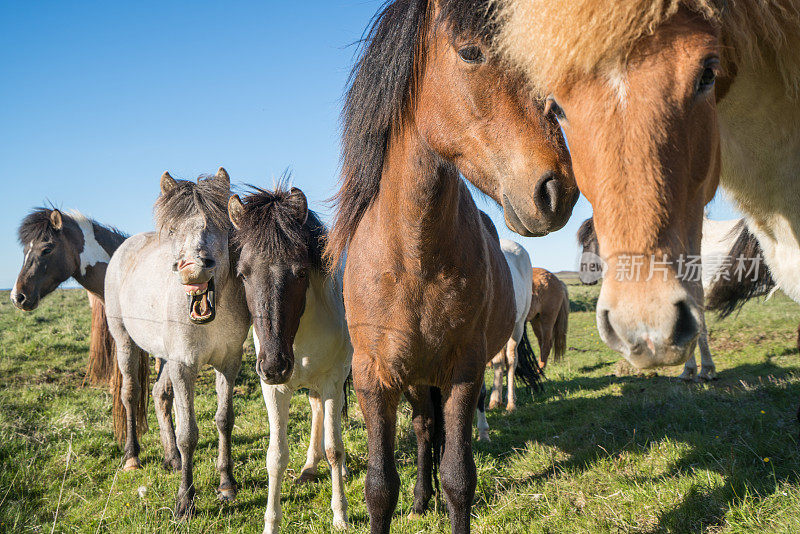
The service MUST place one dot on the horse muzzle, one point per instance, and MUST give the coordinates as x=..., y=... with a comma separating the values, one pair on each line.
x=23, y=301
x=276, y=369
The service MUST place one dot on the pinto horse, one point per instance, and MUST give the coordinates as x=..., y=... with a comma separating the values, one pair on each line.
x=428, y=294
x=62, y=245
x=174, y=294
x=299, y=331
x=661, y=100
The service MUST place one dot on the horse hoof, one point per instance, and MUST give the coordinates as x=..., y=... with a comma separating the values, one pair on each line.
x=340, y=524
x=414, y=516
x=511, y=407
x=184, y=509
x=483, y=437
x=707, y=376
x=493, y=405
x=132, y=464
x=305, y=477
x=173, y=464
x=226, y=493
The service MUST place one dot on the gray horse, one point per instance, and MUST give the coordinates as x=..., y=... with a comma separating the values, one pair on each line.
x=174, y=294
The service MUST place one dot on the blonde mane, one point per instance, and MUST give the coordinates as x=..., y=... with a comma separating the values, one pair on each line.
x=554, y=41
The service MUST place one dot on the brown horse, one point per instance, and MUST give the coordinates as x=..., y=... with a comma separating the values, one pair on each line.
x=659, y=100
x=549, y=315
x=427, y=292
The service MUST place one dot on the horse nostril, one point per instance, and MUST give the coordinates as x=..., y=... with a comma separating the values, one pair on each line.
x=547, y=193
x=208, y=263
x=19, y=298
x=686, y=327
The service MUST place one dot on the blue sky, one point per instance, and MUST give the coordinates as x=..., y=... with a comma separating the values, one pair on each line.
x=99, y=98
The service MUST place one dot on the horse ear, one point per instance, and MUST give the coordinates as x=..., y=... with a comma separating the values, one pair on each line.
x=236, y=211
x=56, y=221
x=222, y=174
x=298, y=198
x=167, y=183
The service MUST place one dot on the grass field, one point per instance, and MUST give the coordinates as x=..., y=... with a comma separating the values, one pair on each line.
x=595, y=453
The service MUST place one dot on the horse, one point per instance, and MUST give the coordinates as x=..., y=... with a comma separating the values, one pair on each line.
x=519, y=264
x=174, y=294
x=62, y=245
x=299, y=331
x=549, y=318
x=731, y=272
x=661, y=101
x=428, y=294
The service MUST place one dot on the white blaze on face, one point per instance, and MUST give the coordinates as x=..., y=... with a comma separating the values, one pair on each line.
x=92, y=253
x=617, y=81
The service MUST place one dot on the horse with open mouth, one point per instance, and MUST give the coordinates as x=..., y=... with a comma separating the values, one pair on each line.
x=174, y=294
x=427, y=291
x=299, y=330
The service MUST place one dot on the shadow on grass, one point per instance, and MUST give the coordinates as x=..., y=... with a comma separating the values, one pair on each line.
x=728, y=425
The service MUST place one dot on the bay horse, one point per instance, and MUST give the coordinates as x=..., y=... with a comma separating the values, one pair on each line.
x=661, y=100
x=727, y=250
x=428, y=295
x=299, y=331
x=174, y=294
x=62, y=245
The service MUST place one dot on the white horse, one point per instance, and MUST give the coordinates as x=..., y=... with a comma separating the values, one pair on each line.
x=519, y=262
x=162, y=292
x=300, y=335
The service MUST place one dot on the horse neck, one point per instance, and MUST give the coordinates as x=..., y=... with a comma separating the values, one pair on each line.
x=422, y=192
x=108, y=240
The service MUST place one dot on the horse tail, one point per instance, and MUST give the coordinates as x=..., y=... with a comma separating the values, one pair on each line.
x=118, y=413
x=527, y=367
x=560, y=328
x=102, y=363
x=438, y=432
x=348, y=383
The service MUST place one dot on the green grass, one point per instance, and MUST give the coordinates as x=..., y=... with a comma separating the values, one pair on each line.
x=596, y=453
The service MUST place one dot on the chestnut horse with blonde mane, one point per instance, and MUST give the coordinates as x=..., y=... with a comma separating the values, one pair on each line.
x=427, y=292
x=661, y=100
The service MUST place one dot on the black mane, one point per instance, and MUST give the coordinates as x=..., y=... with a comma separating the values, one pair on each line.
x=381, y=95
x=209, y=197
x=270, y=225
x=586, y=234
x=727, y=296
x=36, y=227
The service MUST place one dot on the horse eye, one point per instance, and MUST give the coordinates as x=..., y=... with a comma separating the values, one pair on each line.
x=552, y=107
x=707, y=78
x=472, y=54
x=706, y=81
x=47, y=250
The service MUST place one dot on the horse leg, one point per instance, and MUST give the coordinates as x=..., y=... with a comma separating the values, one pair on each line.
x=162, y=399
x=545, y=345
x=708, y=370
x=224, y=418
x=483, y=424
x=183, y=379
x=511, y=359
x=382, y=483
x=690, y=367
x=277, y=401
x=458, y=474
x=498, y=363
x=128, y=363
x=315, y=446
x=423, y=420
x=334, y=452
